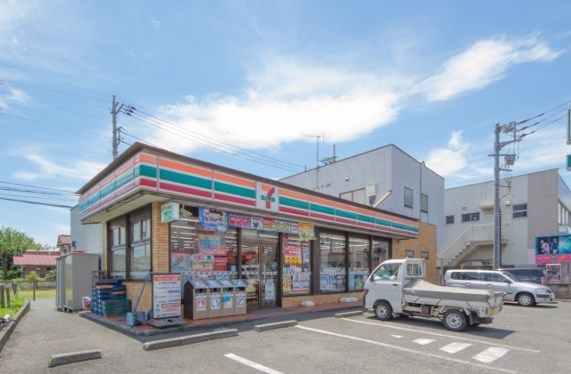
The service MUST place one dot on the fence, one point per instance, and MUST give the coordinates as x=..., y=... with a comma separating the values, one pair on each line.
x=44, y=289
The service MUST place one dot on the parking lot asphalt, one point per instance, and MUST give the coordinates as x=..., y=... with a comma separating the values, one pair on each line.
x=521, y=340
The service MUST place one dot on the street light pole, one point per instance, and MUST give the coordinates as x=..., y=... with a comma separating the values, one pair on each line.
x=497, y=212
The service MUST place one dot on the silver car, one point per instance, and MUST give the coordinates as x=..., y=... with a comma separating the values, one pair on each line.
x=524, y=293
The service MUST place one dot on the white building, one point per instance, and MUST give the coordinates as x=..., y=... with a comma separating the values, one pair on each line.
x=387, y=178
x=535, y=204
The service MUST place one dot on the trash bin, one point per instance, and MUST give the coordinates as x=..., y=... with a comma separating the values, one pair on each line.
x=215, y=299
x=195, y=299
x=239, y=296
x=227, y=297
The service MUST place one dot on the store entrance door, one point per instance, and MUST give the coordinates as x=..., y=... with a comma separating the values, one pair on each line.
x=259, y=266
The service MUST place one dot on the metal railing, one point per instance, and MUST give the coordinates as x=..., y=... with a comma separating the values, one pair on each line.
x=474, y=234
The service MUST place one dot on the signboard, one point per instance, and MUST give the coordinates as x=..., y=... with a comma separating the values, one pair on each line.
x=553, y=273
x=262, y=224
x=568, y=162
x=553, y=249
x=306, y=231
x=170, y=212
x=267, y=197
x=212, y=219
x=166, y=295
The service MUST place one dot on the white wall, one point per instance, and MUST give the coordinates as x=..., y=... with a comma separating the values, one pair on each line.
x=386, y=169
x=86, y=237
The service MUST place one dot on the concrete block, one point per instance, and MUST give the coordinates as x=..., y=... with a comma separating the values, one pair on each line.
x=274, y=325
x=307, y=304
x=70, y=358
x=349, y=314
x=190, y=339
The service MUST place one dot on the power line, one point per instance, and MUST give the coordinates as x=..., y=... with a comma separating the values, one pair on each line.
x=59, y=198
x=37, y=203
x=34, y=192
x=33, y=186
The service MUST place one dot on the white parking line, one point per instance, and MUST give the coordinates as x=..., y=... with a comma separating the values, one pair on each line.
x=491, y=354
x=438, y=334
x=252, y=364
x=455, y=347
x=395, y=347
x=397, y=336
x=423, y=341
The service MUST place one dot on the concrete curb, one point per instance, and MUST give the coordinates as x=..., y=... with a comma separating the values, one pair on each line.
x=189, y=339
x=70, y=358
x=5, y=334
x=275, y=325
x=349, y=314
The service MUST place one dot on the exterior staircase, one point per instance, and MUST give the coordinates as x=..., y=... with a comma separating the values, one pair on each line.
x=475, y=236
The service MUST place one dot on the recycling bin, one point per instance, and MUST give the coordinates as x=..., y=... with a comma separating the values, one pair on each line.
x=214, y=299
x=196, y=299
x=239, y=296
x=227, y=297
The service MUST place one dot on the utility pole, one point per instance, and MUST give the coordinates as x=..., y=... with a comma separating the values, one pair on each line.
x=509, y=161
x=115, y=109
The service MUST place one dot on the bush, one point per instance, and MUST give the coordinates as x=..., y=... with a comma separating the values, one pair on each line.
x=13, y=273
x=51, y=275
x=33, y=277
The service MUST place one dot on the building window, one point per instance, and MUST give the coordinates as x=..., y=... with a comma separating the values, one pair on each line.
x=408, y=197
x=140, y=245
x=409, y=253
x=470, y=217
x=449, y=220
x=519, y=210
x=332, y=276
x=424, y=203
x=296, y=269
x=358, y=262
x=380, y=252
x=425, y=255
x=118, y=248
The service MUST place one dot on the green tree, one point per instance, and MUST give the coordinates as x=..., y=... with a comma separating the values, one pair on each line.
x=13, y=243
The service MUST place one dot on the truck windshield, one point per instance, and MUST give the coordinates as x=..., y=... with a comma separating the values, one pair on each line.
x=387, y=272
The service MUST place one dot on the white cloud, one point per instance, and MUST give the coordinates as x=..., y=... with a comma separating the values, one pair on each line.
x=452, y=158
x=45, y=168
x=156, y=23
x=12, y=95
x=483, y=63
x=285, y=102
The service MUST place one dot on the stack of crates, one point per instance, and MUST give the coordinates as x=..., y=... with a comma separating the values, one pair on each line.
x=109, y=297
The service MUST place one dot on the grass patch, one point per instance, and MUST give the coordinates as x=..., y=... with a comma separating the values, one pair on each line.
x=40, y=294
x=17, y=303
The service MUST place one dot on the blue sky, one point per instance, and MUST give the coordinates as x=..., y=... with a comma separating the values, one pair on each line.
x=432, y=77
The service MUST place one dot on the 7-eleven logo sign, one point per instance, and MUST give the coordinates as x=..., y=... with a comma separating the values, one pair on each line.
x=267, y=197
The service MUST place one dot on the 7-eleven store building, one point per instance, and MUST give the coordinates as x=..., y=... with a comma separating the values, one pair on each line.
x=167, y=213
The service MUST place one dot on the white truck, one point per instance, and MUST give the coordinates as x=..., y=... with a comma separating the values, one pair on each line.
x=397, y=287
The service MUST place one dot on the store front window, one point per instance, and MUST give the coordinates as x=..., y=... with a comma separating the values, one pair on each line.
x=140, y=246
x=332, y=277
x=380, y=252
x=196, y=252
x=117, y=235
x=296, y=266
x=358, y=262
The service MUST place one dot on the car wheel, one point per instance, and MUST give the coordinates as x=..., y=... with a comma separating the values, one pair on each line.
x=525, y=299
x=454, y=320
x=383, y=311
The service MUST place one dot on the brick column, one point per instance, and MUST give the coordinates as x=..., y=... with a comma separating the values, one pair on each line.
x=159, y=240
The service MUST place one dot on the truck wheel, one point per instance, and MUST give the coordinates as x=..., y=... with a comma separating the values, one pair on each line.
x=525, y=299
x=383, y=311
x=454, y=320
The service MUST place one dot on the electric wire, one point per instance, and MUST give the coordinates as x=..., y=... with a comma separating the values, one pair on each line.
x=36, y=203
x=39, y=187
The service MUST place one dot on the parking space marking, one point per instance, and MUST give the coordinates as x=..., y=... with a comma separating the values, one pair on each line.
x=423, y=341
x=455, y=347
x=442, y=335
x=491, y=354
x=397, y=336
x=403, y=349
x=252, y=364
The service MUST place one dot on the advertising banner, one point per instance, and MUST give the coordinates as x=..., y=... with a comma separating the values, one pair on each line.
x=553, y=273
x=166, y=295
x=212, y=219
x=306, y=231
x=262, y=224
x=553, y=249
